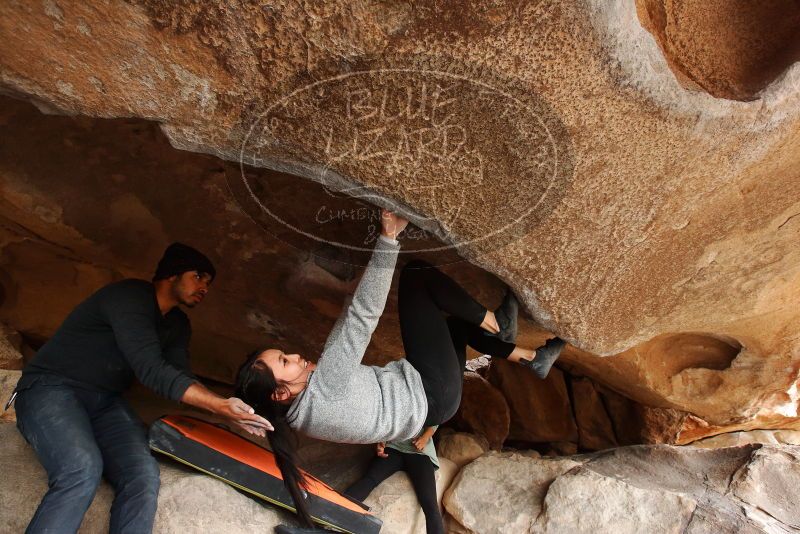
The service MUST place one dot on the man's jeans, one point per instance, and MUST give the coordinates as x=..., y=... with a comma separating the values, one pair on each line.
x=80, y=435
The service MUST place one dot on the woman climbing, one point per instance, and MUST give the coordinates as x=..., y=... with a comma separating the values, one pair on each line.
x=339, y=399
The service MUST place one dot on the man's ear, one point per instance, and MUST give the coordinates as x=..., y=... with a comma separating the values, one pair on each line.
x=281, y=394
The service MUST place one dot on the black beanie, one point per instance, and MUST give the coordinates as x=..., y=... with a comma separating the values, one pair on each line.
x=180, y=258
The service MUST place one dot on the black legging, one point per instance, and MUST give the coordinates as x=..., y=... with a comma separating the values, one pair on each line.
x=421, y=472
x=436, y=345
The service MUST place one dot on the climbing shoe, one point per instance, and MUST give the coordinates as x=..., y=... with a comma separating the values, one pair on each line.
x=546, y=356
x=506, y=315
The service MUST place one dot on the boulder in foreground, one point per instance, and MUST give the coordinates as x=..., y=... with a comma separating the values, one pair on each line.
x=645, y=488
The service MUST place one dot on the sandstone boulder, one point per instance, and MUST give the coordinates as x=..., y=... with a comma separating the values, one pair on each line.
x=562, y=448
x=518, y=487
x=483, y=411
x=461, y=447
x=595, y=430
x=395, y=502
x=636, y=423
x=630, y=489
x=584, y=501
x=10, y=348
x=770, y=482
x=731, y=71
x=540, y=409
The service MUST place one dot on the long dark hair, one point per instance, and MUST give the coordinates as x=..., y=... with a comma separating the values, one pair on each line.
x=255, y=385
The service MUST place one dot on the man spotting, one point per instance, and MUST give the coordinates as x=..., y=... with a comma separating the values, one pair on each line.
x=69, y=405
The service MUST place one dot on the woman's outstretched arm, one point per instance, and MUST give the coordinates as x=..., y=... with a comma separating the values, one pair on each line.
x=353, y=330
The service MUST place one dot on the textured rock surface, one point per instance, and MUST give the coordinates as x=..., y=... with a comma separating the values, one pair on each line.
x=595, y=429
x=770, y=482
x=395, y=502
x=461, y=447
x=607, y=504
x=10, y=363
x=540, y=409
x=674, y=249
x=630, y=489
x=519, y=485
x=483, y=411
x=268, y=290
x=753, y=42
x=10, y=346
x=635, y=423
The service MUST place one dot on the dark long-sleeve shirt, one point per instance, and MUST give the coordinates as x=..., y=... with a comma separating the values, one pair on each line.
x=117, y=334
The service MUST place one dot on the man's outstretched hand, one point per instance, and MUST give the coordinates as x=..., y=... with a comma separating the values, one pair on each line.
x=243, y=416
x=235, y=410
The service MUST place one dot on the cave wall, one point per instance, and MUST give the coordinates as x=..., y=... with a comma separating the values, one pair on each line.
x=729, y=49
x=90, y=201
x=558, y=145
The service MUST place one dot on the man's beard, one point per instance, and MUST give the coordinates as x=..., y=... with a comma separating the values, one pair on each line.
x=189, y=301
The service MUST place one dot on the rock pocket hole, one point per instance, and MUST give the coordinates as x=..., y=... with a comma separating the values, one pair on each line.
x=699, y=351
x=728, y=48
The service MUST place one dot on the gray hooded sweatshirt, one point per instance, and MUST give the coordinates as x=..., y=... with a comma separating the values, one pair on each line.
x=347, y=402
